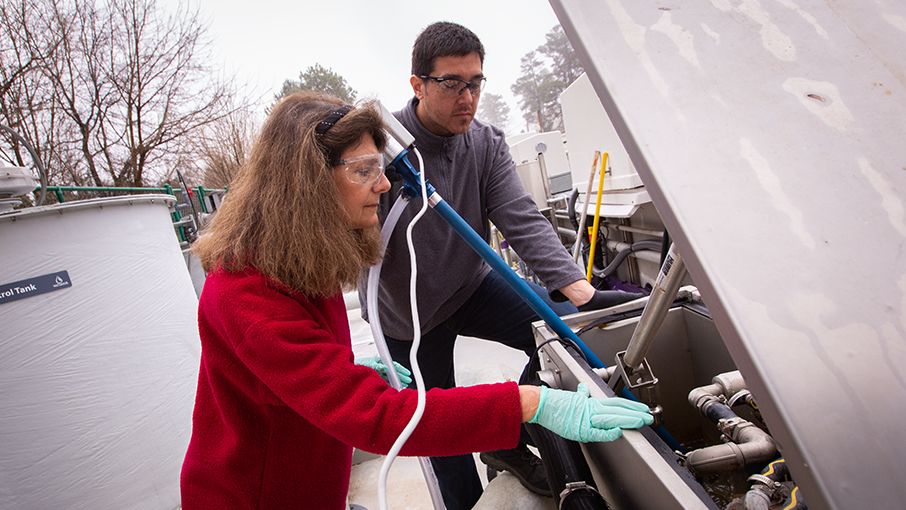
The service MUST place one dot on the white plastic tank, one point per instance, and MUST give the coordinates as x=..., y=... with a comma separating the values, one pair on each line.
x=589, y=129
x=98, y=356
x=525, y=149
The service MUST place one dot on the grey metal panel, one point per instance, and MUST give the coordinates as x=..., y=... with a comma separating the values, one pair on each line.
x=770, y=135
x=639, y=463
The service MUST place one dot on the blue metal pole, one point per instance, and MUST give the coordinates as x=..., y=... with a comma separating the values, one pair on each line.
x=518, y=284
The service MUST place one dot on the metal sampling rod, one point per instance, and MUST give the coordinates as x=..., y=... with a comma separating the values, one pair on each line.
x=662, y=296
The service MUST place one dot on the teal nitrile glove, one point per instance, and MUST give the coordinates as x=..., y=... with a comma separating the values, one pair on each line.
x=375, y=363
x=575, y=416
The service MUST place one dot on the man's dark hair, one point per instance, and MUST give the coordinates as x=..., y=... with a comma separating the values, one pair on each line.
x=443, y=39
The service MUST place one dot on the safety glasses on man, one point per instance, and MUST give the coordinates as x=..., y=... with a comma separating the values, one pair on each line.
x=365, y=169
x=456, y=86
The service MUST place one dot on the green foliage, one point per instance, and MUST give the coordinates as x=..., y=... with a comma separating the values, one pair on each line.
x=546, y=72
x=537, y=89
x=565, y=63
x=494, y=110
x=319, y=79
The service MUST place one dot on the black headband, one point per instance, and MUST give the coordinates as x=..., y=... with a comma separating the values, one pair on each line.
x=332, y=119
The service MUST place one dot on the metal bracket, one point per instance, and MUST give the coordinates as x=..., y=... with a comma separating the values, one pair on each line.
x=632, y=377
x=550, y=377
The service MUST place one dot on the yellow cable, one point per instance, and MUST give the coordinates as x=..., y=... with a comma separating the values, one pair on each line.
x=770, y=470
x=794, y=499
x=594, y=232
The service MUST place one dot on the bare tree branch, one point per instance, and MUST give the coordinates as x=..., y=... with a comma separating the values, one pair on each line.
x=114, y=93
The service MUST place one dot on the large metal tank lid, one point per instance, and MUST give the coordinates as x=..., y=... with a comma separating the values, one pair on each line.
x=91, y=203
x=770, y=137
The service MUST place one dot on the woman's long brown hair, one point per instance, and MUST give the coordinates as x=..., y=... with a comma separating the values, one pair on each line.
x=282, y=213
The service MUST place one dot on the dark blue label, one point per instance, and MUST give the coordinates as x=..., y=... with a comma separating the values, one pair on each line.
x=34, y=286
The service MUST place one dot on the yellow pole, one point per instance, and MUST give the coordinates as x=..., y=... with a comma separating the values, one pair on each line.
x=594, y=231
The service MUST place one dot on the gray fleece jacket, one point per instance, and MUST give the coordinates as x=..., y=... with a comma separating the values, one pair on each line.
x=475, y=174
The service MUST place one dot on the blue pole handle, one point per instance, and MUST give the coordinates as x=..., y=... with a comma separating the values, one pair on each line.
x=518, y=284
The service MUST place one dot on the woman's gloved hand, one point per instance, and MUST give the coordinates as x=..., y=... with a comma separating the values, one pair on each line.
x=575, y=416
x=375, y=363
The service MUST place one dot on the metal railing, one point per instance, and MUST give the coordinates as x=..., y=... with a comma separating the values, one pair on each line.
x=186, y=225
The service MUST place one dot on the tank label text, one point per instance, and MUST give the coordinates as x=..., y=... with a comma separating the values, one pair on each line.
x=34, y=286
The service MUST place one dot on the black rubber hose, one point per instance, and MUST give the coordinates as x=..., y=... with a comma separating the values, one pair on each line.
x=563, y=460
x=777, y=472
x=665, y=246
x=716, y=411
x=571, y=208
x=564, y=463
x=795, y=501
x=621, y=256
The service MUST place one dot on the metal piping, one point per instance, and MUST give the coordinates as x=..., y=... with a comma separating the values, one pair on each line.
x=567, y=233
x=605, y=373
x=726, y=384
x=584, y=218
x=545, y=179
x=635, y=230
x=749, y=444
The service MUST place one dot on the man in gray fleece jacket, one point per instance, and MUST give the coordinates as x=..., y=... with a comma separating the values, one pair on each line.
x=469, y=163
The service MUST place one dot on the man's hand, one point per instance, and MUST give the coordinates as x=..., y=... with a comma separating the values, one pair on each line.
x=607, y=298
x=578, y=293
x=586, y=298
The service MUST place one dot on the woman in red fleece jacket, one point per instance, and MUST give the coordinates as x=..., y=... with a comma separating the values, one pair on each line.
x=280, y=403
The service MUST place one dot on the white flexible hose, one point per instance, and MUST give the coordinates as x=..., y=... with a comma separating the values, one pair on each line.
x=374, y=320
x=371, y=298
x=413, y=354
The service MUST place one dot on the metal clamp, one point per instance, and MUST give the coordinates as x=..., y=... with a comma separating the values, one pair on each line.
x=739, y=395
x=730, y=427
x=764, y=480
x=572, y=487
x=641, y=376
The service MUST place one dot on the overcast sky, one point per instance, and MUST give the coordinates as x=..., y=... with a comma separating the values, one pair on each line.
x=369, y=43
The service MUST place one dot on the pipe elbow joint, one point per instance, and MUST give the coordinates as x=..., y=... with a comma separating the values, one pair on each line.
x=715, y=459
x=698, y=397
x=755, y=445
x=749, y=445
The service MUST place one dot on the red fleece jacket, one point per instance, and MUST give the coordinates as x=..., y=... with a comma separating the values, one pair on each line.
x=280, y=404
